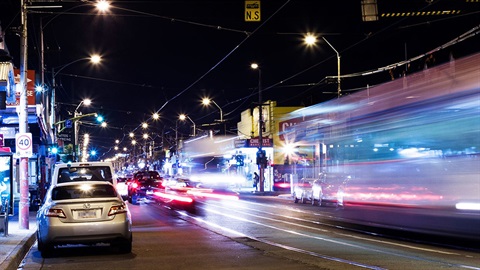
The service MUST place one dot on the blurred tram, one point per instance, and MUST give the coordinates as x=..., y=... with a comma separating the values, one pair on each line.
x=404, y=154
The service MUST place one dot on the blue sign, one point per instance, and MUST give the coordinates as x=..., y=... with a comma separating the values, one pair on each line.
x=68, y=123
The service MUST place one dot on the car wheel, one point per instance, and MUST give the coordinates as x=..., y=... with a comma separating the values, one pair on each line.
x=46, y=250
x=304, y=200
x=295, y=199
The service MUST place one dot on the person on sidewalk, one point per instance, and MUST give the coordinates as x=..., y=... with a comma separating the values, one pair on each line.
x=256, y=180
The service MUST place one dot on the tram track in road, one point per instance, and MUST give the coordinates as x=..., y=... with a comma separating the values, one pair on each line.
x=240, y=214
x=372, y=229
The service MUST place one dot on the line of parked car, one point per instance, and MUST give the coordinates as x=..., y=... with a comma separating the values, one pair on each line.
x=86, y=204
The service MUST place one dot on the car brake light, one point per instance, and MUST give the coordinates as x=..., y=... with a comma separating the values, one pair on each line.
x=52, y=212
x=117, y=209
x=135, y=185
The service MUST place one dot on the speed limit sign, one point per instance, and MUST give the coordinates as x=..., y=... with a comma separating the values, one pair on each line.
x=23, y=144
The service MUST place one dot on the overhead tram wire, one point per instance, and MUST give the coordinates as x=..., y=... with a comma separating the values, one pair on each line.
x=470, y=33
x=220, y=61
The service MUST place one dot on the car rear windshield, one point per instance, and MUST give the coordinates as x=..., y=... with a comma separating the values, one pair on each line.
x=83, y=191
x=91, y=173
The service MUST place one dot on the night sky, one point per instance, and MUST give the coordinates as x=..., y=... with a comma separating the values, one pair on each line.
x=165, y=56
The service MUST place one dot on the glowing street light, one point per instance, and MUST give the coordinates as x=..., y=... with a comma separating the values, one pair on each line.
x=311, y=40
x=207, y=101
x=76, y=114
x=183, y=117
x=103, y=6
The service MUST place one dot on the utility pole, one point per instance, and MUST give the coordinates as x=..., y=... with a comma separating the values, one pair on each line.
x=260, y=129
x=23, y=121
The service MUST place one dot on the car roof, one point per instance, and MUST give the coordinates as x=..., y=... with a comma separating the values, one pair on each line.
x=83, y=182
x=83, y=164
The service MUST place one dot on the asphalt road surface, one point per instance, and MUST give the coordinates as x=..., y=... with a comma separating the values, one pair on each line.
x=255, y=232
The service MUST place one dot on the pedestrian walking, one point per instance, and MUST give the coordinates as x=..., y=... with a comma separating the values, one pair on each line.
x=256, y=180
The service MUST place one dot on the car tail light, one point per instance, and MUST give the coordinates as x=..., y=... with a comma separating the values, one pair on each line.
x=117, y=209
x=134, y=185
x=52, y=212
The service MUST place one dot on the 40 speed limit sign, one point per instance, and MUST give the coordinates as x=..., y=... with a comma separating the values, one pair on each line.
x=23, y=144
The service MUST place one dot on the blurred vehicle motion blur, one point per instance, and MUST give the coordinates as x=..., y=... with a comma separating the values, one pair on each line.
x=403, y=154
x=143, y=185
x=302, y=190
x=83, y=213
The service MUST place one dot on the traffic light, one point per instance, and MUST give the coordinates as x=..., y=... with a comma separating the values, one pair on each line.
x=53, y=150
x=100, y=118
x=261, y=158
x=240, y=160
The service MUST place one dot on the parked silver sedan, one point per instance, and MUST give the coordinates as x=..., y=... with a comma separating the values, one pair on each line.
x=83, y=213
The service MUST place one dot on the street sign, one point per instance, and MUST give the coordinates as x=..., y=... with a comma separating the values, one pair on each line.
x=68, y=123
x=23, y=144
x=252, y=11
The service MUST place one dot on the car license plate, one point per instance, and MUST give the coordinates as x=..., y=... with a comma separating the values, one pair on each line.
x=83, y=214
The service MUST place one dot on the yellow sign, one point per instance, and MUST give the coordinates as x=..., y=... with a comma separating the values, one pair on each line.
x=252, y=11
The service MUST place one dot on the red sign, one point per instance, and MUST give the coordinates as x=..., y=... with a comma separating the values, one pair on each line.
x=30, y=88
x=283, y=127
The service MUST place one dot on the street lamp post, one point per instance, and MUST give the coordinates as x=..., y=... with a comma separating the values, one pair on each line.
x=23, y=121
x=176, y=137
x=260, y=124
x=206, y=101
x=76, y=114
x=311, y=40
x=102, y=6
x=183, y=117
x=339, y=90
x=95, y=59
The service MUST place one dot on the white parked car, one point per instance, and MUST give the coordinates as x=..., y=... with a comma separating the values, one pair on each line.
x=302, y=190
x=83, y=213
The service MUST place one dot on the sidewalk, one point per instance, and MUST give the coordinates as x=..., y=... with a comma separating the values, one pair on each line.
x=17, y=243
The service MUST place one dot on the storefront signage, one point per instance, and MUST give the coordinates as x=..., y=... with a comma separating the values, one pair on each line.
x=255, y=142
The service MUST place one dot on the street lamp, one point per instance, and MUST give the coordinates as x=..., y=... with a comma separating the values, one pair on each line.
x=255, y=66
x=206, y=102
x=134, y=143
x=102, y=6
x=311, y=40
x=85, y=102
x=145, y=137
x=183, y=117
x=95, y=59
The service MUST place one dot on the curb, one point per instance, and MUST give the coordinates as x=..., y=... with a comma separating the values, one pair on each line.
x=19, y=252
